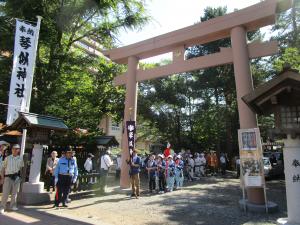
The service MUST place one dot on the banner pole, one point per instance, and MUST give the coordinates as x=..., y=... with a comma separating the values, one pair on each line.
x=130, y=113
x=27, y=103
x=38, y=25
x=24, y=134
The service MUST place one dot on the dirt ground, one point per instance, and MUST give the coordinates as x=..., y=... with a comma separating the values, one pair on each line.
x=212, y=200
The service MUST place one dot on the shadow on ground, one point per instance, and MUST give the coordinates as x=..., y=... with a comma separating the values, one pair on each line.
x=218, y=205
x=34, y=217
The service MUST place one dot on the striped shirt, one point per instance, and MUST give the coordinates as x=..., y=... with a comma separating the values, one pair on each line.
x=12, y=164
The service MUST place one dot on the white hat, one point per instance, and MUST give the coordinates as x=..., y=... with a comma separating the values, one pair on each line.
x=170, y=156
x=16, y=146
x=179, y=156
x=161, y=155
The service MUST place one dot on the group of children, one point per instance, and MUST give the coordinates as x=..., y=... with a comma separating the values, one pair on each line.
x=165, y=173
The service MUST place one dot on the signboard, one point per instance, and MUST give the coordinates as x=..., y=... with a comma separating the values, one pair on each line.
x=251, y=161
x=26, y=39
x=131, y=131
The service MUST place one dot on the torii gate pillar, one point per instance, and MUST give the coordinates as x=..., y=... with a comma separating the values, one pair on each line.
x=244, y=85
x=129, y=113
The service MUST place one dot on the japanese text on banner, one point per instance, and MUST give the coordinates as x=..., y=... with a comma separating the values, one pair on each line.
x=131, y=131
x=23, y=69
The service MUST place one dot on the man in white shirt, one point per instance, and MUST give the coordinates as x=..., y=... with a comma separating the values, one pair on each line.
x=11, y=176
x=88, y=165
x=105, y=164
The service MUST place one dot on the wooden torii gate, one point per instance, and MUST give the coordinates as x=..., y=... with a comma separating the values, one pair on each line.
x=234, y=25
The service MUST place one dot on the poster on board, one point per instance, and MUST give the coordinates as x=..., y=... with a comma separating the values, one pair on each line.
x=251, y=158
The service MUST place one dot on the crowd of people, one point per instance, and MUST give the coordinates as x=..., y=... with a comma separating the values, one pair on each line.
x=60, y=173
x=165, y=171
x=168, y=172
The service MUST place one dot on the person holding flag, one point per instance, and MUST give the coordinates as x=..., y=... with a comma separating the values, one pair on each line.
x=134, y=172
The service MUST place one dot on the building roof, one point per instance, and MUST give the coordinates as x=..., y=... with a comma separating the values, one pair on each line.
x=106, y=141
x=282, y=89
x=41, y=121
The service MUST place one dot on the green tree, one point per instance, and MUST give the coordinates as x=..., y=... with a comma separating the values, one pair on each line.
x=218, y=115
x=287, y=32
x=64, y=84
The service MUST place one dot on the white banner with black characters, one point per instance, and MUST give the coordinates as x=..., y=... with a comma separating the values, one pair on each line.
x=26, y=39
x=131, y=130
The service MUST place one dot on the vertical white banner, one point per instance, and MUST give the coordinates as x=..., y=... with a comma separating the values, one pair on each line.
x=26, y=39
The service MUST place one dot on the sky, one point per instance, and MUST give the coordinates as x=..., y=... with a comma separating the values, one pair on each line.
x=170, y=15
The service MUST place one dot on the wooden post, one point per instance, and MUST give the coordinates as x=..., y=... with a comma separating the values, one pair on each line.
x=244, y=85
x=129, y=113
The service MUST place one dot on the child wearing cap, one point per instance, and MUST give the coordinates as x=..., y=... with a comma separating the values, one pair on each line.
x=161, y=166
x=151, y=167
x=179, y=165
x=170, y=173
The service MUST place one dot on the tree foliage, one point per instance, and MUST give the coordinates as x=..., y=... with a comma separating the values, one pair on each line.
x=68, y=82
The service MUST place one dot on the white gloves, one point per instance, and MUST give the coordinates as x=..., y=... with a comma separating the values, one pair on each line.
x=55, y=181
x=74, y=180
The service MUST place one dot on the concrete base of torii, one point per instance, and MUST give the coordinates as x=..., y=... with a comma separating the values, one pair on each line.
x=33, y=191
x=271, y=206
x=291, y=156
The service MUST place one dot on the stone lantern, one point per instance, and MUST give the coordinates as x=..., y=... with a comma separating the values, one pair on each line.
x=281, y=97
x=39, y=129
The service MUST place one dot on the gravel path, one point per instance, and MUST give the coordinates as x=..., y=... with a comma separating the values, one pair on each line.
x=207, y=201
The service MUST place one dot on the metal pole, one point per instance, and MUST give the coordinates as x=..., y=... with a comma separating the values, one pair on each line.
x=23, y=142
x=38, y=25
x=266, y=200
x=243, y=188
